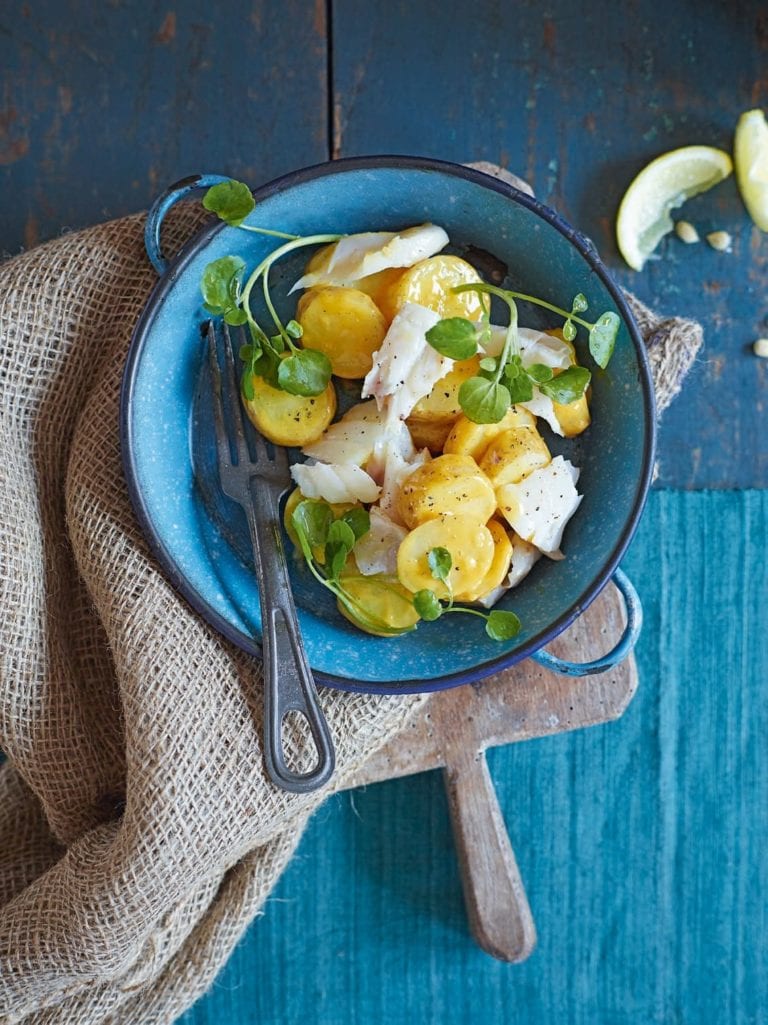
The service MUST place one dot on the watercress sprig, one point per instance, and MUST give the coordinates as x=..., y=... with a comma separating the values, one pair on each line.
x=500, y=625
x=302, y=371
x=318, y=530
x=504, y=380
x=602, y=333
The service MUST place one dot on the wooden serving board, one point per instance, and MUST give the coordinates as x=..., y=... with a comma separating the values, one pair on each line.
x=456, y=728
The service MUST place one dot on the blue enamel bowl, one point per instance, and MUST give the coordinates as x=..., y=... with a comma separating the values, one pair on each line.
x=200, y=537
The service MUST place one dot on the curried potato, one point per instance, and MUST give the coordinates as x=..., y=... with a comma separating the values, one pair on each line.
x=429, y=283
x=469, y=542
x=429, y=434
x=442, y=403
x=471, y=439
x=287, y=419
x=514, y=454
x=345, y=324
x=381, y=597
x=290, y=504
x=447, y=485
x=499, y=568
x=374, y=285
x=573, y=417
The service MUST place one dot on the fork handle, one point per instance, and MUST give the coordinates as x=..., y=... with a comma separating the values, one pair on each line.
x=288, y=681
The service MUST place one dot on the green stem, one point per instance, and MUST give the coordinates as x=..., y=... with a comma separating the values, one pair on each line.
x=504, y=293
x=266, y=263
x=268, y=231
x=469, y=612
x=273, y=312
x=351, y=603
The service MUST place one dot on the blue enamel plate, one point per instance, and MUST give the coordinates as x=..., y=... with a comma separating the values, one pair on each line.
x=200, y=537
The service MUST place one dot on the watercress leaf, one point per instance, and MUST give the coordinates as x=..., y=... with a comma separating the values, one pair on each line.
x=235, y=316
x=245, y=352
x=454, y=337
x=488, y=363
x=602, y=338
x=539, y=372
x=568, y=386
x=439, y=561
x=305, y=372
x=579, y=303
x=358, y=519
x=483, y=401
x=501, y=625
x=294, y=329
x=341, y=540
x=520, y=389
x=569, y=330
x=426, y=604
x=246, y=383
x=512, y=369
x=340, y=532
x=219, y=278
x=312, y=518
x=267, y=366
x=231, y=201
x=277, y=343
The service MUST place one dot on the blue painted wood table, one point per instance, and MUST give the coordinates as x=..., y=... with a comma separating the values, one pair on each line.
x=642, y=843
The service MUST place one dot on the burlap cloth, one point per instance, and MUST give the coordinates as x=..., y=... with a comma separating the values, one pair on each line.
x=138, y=834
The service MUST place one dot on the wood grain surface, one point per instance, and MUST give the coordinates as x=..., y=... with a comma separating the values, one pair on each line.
x=101, y=106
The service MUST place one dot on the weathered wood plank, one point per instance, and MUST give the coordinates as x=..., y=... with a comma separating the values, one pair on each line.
x=577, y=97
x=103, y=105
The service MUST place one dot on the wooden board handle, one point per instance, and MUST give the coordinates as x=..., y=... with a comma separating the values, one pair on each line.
x=497, y=906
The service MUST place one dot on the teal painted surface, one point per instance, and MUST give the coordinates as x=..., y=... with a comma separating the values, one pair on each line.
x=102, y=106
x=577, y=97
x=641, y=842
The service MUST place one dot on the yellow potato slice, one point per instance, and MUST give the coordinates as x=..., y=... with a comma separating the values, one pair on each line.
x=573, y=417
x=514, y=454
x=289, y=419
x=502, y=555
x=384, y=599
x=442, y=403
x=374, y=285
x=345, y=324
x=430, y=434
x=429, y=284
x=290, y=505
x=469, y=542
x=471, y=439
x=450, y=484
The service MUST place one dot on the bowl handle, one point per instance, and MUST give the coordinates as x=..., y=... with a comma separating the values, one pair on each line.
x=179, y=190
x=625, y=644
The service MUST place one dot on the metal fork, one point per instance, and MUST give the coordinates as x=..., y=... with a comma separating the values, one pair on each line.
x=257, y=485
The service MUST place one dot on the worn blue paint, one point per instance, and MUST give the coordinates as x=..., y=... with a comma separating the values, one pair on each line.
x=577, y=97
x=102, y=105
x=174, y=489
x=641, y=843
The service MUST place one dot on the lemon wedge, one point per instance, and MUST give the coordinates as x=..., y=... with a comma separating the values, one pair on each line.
x=750, y=152
x=660, y=187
